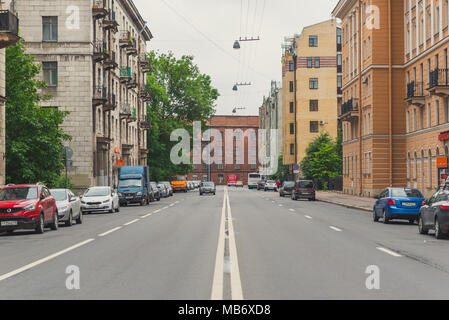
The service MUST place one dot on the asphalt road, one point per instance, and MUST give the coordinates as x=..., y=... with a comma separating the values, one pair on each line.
x=237, y=244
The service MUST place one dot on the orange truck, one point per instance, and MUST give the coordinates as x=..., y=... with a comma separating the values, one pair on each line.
x=179, y=183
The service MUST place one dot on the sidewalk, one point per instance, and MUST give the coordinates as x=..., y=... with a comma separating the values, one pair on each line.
x=346, y=200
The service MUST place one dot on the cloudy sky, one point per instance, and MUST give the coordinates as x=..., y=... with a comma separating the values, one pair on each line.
x=207, y=29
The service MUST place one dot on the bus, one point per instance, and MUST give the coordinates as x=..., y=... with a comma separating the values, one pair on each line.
x=179, y=183
x=253, y=179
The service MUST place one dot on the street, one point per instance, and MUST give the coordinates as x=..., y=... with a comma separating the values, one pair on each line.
x=192, y=247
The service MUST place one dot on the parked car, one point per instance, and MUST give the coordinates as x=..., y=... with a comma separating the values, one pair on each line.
x=270, y=185
x=69, y=206
x=207, y=187
x=156, y=192
x=286, y=188
x=27, y=207
x=189, y=185
x=97, y=199
x=163, y=190
x=304, y=189
x=133, y=185
x=239, y=184
x=261, y=185
x=398, y=203
x=196, y=183
x=434, y=215
x=170, y=189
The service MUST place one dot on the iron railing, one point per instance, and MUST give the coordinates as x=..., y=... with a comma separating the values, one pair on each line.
x=9, y=22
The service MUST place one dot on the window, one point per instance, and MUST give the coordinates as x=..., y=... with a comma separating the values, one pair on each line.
x=313, y=83
x=291, y=66
x=437, y=112
x=292, y=149
x=313, y=41
x=313, y=105
x=49, y=28
x=292, y=107
x=50, y=70
x=309, y=63
x=292, y=87
x=314, y=126
x=292, y=128
x=317, y=62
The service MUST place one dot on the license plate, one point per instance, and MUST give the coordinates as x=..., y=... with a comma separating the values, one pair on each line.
x=95, y=207
x=9, y=223
x=129, y=198
x=409, y=204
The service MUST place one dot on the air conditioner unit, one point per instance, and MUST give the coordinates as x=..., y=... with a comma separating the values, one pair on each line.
x=322, y=122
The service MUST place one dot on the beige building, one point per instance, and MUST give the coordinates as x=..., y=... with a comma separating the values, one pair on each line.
x=9, y=27
x=93, y=55
x=310, y=82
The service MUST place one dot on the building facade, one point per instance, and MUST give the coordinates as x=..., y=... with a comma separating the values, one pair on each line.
x=93, y=56
x=9, y=31
x=241, y=130
x=311, y=92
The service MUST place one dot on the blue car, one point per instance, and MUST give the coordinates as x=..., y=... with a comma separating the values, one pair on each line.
x=398, y=204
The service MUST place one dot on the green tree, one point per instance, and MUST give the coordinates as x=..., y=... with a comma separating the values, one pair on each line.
x=34, y=141
x=180, y=95
x=322, y=160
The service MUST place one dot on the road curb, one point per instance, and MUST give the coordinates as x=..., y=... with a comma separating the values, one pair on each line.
x=346, y=205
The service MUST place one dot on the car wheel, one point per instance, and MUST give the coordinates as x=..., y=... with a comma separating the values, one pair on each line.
x=438, y=234
x=421, y=228
x=69, y=222
x=375, y=217
x=79, y=220
x=55, y=224
x=40, y=224
x=411, y=221
x=385, y=219
x=10, y=232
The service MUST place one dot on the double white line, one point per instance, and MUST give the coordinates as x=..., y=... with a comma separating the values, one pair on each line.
x=236, y=284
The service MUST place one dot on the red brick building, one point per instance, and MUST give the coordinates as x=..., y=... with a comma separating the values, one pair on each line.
x=220, y=172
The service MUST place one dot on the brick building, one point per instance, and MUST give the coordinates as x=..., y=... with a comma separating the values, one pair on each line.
x=219, y=172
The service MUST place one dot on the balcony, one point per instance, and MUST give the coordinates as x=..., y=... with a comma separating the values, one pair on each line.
x=132, y=82
x=133, y=116
x=144, y=63
x=127, y=148
x=109, y=22
x=349, y=110
x=145, y=123
x=100, y=52
x=98, y=10
x=125, y=40
x=132, y=50
x=144, y=94
x=109, y=63
x=9, y=29
x=439, y=83
x=415, y=94
x=125, y=111
x=125, y=74
x=110, y=103
x=99, y=96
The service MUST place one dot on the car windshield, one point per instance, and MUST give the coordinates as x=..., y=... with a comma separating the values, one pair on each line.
x=305, y=184
x=130, y=183
x=178, y=178
x=23, y=193
x=208, y=184
x=59, y=195
x=254, y=176
x=289, y=184
x=161, y=186
x=271, y=181
x=97, y=192
x=405, y=193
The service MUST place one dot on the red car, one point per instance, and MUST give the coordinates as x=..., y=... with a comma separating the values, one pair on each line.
x=27, y=207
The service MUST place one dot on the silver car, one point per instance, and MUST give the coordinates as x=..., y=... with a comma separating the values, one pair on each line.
x=69, y=206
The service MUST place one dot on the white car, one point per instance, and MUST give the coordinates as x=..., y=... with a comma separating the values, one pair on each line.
x=98, y=199
x=270, y=185
x=69, y=206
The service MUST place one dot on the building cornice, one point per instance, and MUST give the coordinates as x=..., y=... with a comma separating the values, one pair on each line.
x=342, y=8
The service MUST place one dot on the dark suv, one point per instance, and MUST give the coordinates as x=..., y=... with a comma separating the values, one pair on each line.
x=27, y=207
x=304, y=189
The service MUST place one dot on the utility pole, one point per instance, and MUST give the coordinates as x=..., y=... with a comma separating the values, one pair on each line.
x=295, y=59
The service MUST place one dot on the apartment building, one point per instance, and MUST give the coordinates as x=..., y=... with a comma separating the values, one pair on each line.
x=9, y=30
x=243, y=129
x=270, y=119
x=93, y=56
x=311, y=82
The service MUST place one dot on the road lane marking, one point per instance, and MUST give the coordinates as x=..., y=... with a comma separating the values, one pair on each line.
x=147, y=215
x=335, y=229
x=164, y=208
x=391, y=253
x=236, y=283
x=308, y=217
x=292, y=210
x=171, y=205
x=217, y=284
x=43, y=260
x=131, y=222
x=280, y=205
x=108, y=232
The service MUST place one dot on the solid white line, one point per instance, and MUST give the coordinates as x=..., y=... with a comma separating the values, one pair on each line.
x=391, y=253
x=280, y=205
x=308, y=217
x=131, y=222
x=147, y=215
x=108, y=232
x=164, y=208
x=38, y=262
x=292, y=210
x=217, y=284
x=335, y=229
x=236, y=283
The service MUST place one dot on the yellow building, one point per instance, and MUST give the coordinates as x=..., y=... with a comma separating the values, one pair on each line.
x=311, y=82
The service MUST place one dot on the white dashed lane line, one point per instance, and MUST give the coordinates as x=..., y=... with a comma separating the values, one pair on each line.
x=308, y=217
x=387, y=251
x=131, y=222
x=109, y=232
x=335, y=229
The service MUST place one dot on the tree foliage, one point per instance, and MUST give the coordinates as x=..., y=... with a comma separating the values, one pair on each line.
x=180, y=95
x=323, y=159
x=34, y=141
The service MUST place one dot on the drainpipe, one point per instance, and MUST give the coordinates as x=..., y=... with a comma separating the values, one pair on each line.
x=359, y=53
x=390, y=98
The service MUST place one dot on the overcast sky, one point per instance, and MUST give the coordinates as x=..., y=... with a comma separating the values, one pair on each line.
x=207, y=29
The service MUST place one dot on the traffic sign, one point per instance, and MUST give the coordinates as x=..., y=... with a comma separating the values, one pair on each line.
x=296, y=167
x=68, y=152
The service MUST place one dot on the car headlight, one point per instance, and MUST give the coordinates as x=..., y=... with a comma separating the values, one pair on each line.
x=30, y=207
x=139, y=193
x=107, y=201
x=120, y=194
x=63, y=208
